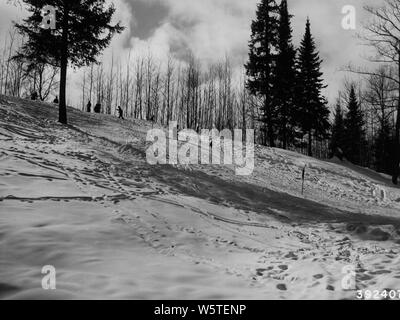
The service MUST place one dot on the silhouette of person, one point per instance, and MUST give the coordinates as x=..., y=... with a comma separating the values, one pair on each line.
x=121, y=113
x=152, y=120
x=34, y=96
x=89, y=107
x=97, y=108
x=56, y=100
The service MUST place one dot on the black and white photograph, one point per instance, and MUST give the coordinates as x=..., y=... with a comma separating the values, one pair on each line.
x=183, y=151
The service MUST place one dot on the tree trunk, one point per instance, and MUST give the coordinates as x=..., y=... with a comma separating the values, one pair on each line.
x=64, y=66
x=396, y=169
x=271, y=131
x=268, y=135
x=310, y=140
x=63, y=85
x=284, y=134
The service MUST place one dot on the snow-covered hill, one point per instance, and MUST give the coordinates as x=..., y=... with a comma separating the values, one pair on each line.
x=83, y=199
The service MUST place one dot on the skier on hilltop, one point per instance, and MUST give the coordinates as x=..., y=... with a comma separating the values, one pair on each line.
x=121, y=113
x=89, y=107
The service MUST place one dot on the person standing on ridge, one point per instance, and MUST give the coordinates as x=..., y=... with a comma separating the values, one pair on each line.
x=97, y=108
x=121, y=113
x=89, y=107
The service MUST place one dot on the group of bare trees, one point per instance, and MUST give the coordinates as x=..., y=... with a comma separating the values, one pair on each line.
x=10, y=70
x=20, y=78
x=194, y=95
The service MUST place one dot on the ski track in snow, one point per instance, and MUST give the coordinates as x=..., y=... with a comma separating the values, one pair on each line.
x=83, y=198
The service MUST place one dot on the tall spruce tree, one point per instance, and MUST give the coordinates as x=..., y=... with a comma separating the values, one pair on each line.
x=82, y=31
x=384, y=145
x=354, y=129
x=338, y=132
x=285, y=78
x=260, y=67
x=313, y=113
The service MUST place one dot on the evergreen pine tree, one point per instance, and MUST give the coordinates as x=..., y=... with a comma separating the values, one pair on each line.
x=383, y=149
x=260, y=67
x=313, y=113
x=83, y=29
x=337, y=143
x=354, y=129
x=285, y=81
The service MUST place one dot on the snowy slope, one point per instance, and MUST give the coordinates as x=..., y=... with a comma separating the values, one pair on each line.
x=83, y=199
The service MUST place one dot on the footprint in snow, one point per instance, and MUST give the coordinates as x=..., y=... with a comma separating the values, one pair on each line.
x=282, y=287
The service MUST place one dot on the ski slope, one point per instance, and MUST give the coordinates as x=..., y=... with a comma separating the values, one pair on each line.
x=83, y=199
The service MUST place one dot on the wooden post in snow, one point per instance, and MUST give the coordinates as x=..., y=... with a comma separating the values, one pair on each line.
x=303, y=179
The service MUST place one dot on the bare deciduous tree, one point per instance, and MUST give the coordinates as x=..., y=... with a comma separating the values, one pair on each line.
x=383, y=34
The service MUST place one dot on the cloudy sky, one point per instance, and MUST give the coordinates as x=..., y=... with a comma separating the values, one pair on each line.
x=212, y=29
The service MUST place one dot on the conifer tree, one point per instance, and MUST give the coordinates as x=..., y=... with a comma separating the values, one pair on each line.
x=383, y=148
x=354, y=129
x=313, y=113
x=338, y=131
x=285, y=78
x=260, y=67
